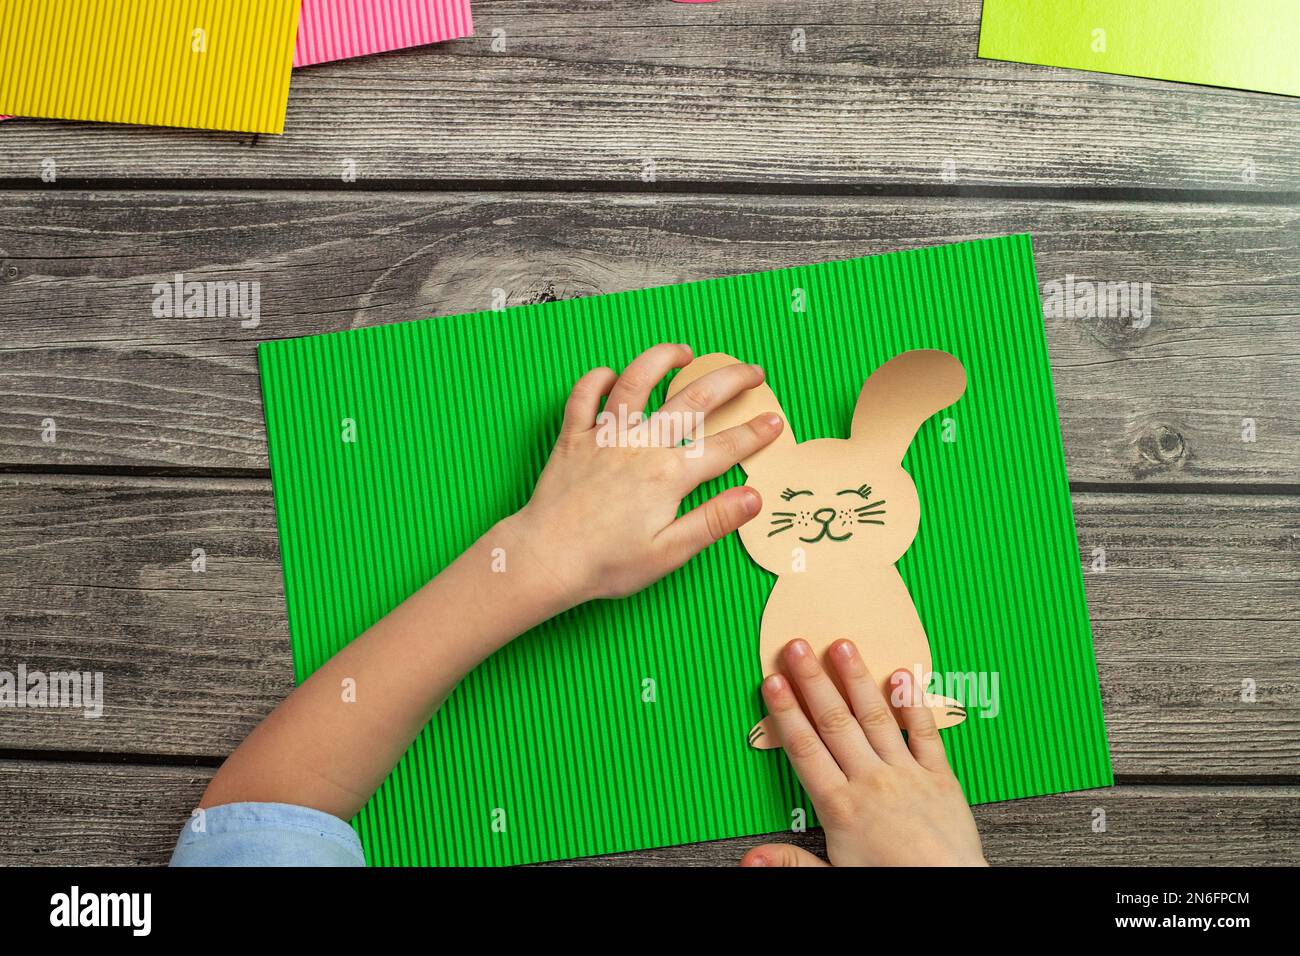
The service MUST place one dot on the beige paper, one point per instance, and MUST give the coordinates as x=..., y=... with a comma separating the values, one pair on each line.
x=837, y=514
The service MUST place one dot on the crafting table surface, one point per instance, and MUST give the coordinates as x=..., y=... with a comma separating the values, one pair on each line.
x=577, y=149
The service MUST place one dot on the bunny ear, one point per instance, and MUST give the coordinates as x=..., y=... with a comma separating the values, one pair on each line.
x=902, y=394
x=745, y=406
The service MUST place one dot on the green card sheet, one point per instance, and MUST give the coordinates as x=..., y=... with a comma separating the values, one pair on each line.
x=1242, y=44
x=549, y=749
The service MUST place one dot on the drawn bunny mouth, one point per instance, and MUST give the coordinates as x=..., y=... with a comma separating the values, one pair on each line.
x=827, y=534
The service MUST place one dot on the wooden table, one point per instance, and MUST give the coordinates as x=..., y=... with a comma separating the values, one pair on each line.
x=617, y=145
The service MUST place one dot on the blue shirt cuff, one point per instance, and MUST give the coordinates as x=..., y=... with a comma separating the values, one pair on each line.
x=267, y=834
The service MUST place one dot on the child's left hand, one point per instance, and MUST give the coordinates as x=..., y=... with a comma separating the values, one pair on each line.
x=603, y=518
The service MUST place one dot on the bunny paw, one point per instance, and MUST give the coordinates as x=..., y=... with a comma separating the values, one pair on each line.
x=947, y=712
x=761, y=736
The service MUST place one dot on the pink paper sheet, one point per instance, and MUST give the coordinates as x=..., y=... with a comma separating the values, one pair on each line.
x=340, y=29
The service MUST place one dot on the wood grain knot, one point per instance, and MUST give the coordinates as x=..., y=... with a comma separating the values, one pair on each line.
x=1163, y=445
x=549, y=293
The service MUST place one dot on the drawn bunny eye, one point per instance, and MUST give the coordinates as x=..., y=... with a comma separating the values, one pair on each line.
x=791, y=493
x=861, y=490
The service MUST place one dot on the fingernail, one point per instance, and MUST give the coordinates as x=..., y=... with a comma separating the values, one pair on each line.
x=798, y=648
x=774, y=422
x=845, y=649
x=774, y=684
x=752, y=502
x=758, y=369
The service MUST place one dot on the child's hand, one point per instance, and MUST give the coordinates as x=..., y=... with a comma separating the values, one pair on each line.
x=883, y=801
x=603, y=518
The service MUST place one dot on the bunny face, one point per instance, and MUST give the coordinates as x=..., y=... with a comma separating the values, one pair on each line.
x=826, y=502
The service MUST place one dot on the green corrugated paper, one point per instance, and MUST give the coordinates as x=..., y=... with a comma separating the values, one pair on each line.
x=455, y=417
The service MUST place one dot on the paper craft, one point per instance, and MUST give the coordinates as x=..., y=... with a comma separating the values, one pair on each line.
x=837, y=515
x=340, y=29
x=622, y=724
x=1242, y=44
x=213, y=64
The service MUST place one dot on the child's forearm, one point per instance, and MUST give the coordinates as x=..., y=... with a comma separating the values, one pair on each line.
x=602, y=522
x=332, y=742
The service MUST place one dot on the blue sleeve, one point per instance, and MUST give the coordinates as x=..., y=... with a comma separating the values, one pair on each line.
x=267, y=834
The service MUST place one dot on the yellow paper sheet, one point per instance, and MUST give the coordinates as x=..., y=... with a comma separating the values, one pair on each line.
x=212, y=64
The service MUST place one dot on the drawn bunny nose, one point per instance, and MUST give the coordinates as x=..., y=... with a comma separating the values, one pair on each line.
x=824, y=515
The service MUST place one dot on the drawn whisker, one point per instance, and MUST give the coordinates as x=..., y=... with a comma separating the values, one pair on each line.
x=879, y=511
x=784, y=514
x=861, y=521
x=779, y=530
x=872, y=504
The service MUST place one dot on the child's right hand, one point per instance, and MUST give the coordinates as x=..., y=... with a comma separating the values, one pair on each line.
x=603, y=520
x=883, y=801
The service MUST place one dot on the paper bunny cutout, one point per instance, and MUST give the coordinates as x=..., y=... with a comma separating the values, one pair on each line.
x=837, y=514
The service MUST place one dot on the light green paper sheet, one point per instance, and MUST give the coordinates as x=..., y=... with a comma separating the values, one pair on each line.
x=1241, y=44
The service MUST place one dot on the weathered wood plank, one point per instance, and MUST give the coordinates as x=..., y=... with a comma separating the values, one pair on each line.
x=1145, y=826
x=110, y=814
x=884, y=93
x=79, y=343
x=1200, y=595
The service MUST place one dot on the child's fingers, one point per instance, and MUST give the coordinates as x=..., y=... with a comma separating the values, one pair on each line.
x=817, y=769
x=780, y=854
x=831, y=716
x=869, y=705
x=584, y=401
x=714, y=390
x=643, y=373
x=922, y=733
x=706, y=523
x=709, y=457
